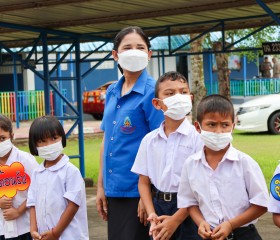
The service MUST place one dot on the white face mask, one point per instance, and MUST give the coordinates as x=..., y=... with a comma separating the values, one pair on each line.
x=178, y=106
x=216, y=141
x=50, y=152
x=133, y=60
x=5, y=147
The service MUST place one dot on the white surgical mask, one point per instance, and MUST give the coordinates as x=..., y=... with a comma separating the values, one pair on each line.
x=50, y=152
x=133, y=60
x=216, y=141
x=5, y=147
x=178, y=106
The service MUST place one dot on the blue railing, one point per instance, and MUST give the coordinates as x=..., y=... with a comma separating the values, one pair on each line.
x=31, y=104
x=249, y=87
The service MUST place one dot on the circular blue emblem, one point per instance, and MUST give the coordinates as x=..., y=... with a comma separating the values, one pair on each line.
x=275, y=186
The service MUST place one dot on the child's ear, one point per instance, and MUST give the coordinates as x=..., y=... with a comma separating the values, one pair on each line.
x=156, y=104
x=197, y=127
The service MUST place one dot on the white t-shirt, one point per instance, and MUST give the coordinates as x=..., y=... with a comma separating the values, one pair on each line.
x=161, y=158
x=49, y=191
x=22, y=223
x=274, y=204
x=225, y=192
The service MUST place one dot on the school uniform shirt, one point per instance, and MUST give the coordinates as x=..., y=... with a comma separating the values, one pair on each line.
x=225, y=192
x=161, y=158
x=49, y=192
x=274, y=204
x=29, y=163
x=127, y=119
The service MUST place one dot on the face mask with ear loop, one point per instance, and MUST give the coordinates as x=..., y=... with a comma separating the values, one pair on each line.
x=5, y=147
x=215, y=141
x=178, y=106
x=50, y=152
x=133, y=60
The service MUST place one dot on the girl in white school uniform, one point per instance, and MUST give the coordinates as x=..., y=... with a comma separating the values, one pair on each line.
x=56, y=196
x=14, y=216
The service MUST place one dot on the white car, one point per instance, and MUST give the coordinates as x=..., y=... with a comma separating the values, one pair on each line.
x=260, y=114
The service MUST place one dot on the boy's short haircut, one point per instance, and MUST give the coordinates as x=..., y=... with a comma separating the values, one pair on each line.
x=215, y=103
x=172, y=76
x=42, y=128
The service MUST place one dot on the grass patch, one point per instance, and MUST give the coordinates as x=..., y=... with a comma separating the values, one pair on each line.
x=263, y=147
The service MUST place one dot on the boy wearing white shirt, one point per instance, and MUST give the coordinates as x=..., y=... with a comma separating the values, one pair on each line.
x=160, y=158
x=223, y=189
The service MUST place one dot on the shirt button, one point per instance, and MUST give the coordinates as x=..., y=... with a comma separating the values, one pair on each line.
x=111, y=154
x=118, y=106
x=110, y=171
x=112, y=138
x=114, y=122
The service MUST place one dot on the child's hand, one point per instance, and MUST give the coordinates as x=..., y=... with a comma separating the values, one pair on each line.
x=153, y=221
x=48, y=236
x=204, y=230
x=35, y=235
x=6, y=202
x=11, y=214
x=142, y=214
x=221, y=231
x=166, y=226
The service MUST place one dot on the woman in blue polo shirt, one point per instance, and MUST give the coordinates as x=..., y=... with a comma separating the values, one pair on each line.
x=129, y=115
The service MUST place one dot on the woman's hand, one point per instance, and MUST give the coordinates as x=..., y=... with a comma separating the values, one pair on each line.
x=101, y=204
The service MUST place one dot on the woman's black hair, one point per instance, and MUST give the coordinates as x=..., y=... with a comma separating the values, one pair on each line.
x=215, y=103
x=6, y=124
x=42, y=128
x=119, y=37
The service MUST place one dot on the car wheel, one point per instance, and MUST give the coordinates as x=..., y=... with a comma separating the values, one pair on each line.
x=274, y=123
x=98, y=116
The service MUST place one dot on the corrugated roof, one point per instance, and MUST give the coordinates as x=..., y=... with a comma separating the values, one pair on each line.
x=22, y=20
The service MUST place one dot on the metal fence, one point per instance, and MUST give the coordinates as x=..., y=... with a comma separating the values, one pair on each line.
x=248, y=87
x=31, y=104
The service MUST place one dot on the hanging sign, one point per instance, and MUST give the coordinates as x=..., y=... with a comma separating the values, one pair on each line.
x=12, y=179
x=271, y=47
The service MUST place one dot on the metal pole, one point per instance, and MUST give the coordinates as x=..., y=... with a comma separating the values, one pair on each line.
x=16, y=91
x=46, y=74
x=80, y=108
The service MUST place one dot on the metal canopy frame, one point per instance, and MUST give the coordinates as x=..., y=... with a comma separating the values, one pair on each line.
x=58, y=37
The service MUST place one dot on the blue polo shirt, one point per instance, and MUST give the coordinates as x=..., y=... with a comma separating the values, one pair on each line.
x=127, y=119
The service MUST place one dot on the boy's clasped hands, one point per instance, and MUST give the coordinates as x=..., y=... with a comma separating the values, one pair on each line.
x=162, y=227
x=218, y=233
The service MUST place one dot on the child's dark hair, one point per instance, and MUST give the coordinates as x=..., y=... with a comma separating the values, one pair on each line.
x=119, y=37
x=172, y=76
x=42, y=128
x=6, y=124
x=215, y=103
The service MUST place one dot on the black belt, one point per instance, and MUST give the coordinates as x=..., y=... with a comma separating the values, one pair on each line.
x=238, y=232
x=166, y=196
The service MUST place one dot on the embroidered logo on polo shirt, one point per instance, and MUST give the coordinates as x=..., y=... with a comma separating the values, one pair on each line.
x=127, y=126
x=275, y=187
